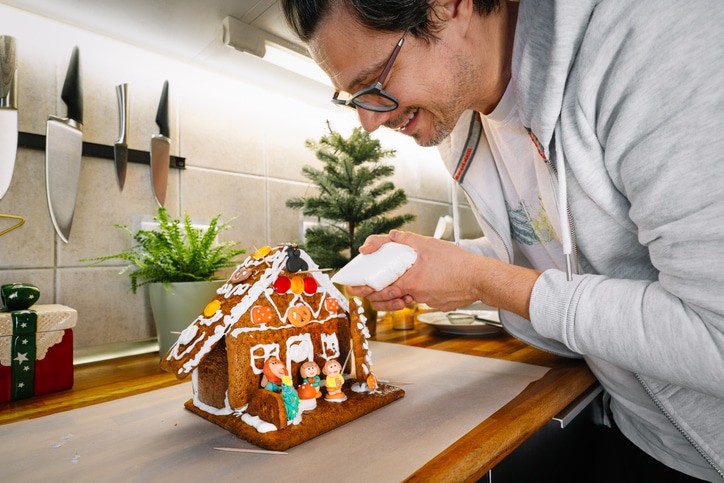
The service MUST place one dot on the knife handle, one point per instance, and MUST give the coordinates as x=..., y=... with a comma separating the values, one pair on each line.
x=162, y=113
x=72, y=93
x=8, y=72
x=122, y=92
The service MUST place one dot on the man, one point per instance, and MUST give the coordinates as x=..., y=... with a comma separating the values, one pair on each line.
x=588, y=137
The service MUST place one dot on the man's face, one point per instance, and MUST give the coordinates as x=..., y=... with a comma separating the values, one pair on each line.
x=431, y=81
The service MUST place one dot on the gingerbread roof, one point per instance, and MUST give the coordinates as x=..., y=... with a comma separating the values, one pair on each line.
x=264, y=286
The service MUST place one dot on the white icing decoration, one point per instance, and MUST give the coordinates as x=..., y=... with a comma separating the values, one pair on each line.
x=299, y=348
x=256, y=422
x=357, y=387
x=188, y=334
x=268, y=350
x=330, y=343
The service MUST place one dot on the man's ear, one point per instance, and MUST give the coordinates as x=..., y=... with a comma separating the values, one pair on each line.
x=450, y=9
x=458, y=11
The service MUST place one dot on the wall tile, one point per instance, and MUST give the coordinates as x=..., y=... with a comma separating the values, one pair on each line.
x=285, y=224
x=232, y=142
x=206, y=193
x=108, y=311
x=32, y=244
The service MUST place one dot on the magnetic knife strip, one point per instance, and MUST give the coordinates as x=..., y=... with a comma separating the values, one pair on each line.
x=93, y=150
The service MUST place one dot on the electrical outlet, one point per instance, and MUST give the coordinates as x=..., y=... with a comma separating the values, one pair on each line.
x=148, y=223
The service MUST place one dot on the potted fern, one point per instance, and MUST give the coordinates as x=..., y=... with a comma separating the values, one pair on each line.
x=179, y=263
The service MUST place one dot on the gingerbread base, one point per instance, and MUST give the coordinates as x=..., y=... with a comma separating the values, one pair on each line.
x=327, y=416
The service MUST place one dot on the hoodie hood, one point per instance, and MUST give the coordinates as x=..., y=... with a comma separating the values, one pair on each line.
x=542, y=59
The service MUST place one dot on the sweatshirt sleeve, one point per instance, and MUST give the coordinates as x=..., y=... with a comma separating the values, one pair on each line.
x=643, y=137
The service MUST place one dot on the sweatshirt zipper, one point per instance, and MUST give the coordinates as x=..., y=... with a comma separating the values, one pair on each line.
x=571, y=265
x=678, y=427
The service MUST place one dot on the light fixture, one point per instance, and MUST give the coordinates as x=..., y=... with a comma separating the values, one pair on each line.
x=243, y=37
x=247, y=38
x=301, y=64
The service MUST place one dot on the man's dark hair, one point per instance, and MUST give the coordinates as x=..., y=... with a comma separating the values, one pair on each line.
x=304, y=16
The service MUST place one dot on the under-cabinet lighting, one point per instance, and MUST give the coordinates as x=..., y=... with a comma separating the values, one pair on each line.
x=246, y=38
x=290, y=60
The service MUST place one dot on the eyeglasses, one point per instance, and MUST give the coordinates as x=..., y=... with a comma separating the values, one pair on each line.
x=373, y=98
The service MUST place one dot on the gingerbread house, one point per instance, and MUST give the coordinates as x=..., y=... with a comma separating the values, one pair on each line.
x=279, y=304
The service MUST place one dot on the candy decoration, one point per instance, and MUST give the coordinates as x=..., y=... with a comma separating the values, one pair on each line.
x=372, y=383
x=299, y=316
x=240, y=274
x=294, y=262
x=262, y=252
x=307, y=397
x=290, y=398
x=310, y=286
x=297, y=285
x=331, y=304
x=211, y=308
x=282, y=284
x=261, y=314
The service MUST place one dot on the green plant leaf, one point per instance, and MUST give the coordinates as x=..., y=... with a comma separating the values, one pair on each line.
x=176, y=252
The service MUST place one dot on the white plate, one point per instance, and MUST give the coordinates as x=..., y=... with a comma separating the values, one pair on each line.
x=440, y=322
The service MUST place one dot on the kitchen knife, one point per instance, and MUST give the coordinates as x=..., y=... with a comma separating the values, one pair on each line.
x=120, y=149
x=160, y=148
x=8, y=111
x=63, y=150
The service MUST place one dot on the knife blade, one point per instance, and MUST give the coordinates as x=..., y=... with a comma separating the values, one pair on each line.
x=160, y=149
x=120, y=148
x=8, y=111
x=63, y=151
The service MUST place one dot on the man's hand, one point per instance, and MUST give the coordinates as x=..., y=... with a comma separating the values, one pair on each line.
x=447, y=277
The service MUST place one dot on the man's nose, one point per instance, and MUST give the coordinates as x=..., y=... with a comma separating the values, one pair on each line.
x=372, y=120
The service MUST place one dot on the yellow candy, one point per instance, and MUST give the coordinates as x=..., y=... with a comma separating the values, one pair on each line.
x=262, y=252
x=211, y=309
x=297, y=285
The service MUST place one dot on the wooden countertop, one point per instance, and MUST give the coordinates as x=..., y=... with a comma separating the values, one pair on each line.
x=466, y=460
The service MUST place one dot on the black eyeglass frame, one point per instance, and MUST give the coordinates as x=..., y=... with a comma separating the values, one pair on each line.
x=375, y=88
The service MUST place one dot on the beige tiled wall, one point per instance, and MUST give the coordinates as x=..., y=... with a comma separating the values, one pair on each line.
x=243, y=141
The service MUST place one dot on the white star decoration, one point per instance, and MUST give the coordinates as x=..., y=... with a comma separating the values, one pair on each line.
x=22, y=357
x=22, y=384
x=25, y=342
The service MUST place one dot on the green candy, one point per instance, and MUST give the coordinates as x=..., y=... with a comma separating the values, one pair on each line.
x=19, y=296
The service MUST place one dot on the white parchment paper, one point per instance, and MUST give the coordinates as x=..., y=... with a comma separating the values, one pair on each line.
x=151, y=437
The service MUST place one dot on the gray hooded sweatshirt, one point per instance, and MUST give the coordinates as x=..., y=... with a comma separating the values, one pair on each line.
x=626, y=100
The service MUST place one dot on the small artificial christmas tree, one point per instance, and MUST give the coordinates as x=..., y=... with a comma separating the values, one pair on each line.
x=353, y=198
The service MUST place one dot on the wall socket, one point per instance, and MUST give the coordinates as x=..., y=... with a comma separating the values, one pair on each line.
x=148, y=223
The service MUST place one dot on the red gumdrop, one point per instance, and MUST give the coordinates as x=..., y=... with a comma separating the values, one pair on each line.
x=282, y=284
x=310, y=286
